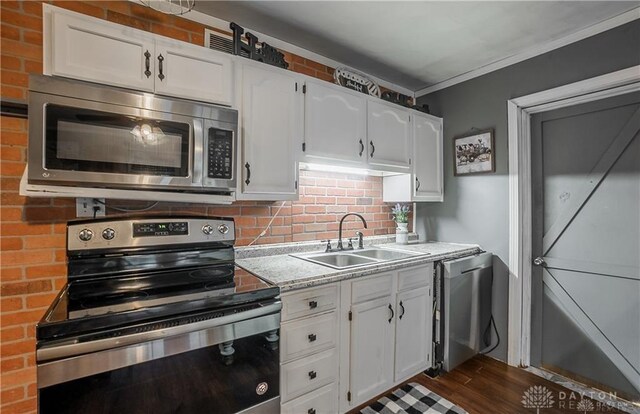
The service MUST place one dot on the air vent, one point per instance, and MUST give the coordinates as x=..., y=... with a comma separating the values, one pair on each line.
x=220, y=41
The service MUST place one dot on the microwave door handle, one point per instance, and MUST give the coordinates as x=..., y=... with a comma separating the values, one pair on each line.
x=198, y=148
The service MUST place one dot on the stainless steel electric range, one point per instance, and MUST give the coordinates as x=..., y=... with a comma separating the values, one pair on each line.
x=156, y=318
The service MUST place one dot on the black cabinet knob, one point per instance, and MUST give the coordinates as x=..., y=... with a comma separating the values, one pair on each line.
x=313, y=304
x=312, y=374
x=311, y=411
x=312, y=337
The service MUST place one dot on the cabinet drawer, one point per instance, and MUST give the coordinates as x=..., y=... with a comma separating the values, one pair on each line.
x=309, y=301
x=308, y=374
x=306, y=336
x=415, y=277
x=367, y=289
x=320, y=401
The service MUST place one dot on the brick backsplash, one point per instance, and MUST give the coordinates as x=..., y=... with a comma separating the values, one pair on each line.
x=32, y=230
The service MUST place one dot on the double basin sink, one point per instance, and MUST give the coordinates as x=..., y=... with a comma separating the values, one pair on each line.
x=346, y=259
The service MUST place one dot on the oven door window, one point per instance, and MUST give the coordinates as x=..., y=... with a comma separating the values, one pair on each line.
x=223, y=378
x=93, y=141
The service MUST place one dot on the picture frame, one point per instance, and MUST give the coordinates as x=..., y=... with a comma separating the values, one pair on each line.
x=474, y=153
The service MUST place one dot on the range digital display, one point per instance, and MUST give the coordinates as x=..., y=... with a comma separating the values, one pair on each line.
x=176, y=228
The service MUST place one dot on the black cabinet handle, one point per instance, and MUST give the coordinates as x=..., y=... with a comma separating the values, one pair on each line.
x=312, y=374
x=373, y=148
x=391, y=309
x=147, y=63
x=417, y=184
x=248, y=167
x=312, y=337
x=313, y=304
x=361, y=148
x=402, y=314
x=311, y=411
x=160, y=69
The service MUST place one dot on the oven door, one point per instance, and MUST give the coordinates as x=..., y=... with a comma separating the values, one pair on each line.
x=227, y=368
x=76, y=141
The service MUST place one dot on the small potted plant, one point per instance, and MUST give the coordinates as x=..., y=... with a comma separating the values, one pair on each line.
x=401, y=217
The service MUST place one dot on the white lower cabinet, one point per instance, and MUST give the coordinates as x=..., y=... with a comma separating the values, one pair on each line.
x=344, y=343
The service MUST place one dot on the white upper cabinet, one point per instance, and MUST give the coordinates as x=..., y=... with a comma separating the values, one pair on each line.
x=335, y=124
x=389, y=135
x=186, y=70
x=95, y=50
x=270, y=104
x=425, y=183
x=91, y=49
x=428, y=168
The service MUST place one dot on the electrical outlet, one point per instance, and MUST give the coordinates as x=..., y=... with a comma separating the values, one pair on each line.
x=90, y=207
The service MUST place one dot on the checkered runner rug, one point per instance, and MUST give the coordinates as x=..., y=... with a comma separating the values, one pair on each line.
x=412, y=398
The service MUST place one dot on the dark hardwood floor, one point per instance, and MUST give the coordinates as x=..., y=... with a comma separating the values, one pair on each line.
x=484, y=385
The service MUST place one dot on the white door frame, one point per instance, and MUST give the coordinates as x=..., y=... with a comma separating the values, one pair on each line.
x=520, y=209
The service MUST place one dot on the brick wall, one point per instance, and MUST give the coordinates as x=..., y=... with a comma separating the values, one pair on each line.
x=33, y=230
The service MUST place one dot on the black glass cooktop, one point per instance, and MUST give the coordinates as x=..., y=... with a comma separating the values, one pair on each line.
x=99, y=304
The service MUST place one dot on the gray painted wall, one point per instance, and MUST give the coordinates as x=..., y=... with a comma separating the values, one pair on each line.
x=475, y=208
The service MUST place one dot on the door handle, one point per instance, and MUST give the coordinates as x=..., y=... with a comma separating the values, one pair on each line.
x=539, y=261
x=417, y=184
x=392, y=313
x=248, y=167
x=160, y=69
x=373, y=148
x=147, y=63
x=312, y=337
x=361, y=148
x=313, y=304
x=312, y=374
x=401, y=307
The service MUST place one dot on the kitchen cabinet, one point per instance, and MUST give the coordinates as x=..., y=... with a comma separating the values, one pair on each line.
x=335, y=124
x=95, y=50
x=271, y=128
x=309, y=350
x=425, y=183
x=386, y=334
x=388, y=135
x=194, y=72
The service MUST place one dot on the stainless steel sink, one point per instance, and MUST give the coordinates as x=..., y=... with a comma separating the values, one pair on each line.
x=339, y=260
x=354, y=258
x=382, y=254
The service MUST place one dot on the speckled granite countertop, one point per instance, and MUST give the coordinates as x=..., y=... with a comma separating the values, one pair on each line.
x=290, y=272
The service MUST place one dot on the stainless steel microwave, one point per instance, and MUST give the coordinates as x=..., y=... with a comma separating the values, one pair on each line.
x=89, y=135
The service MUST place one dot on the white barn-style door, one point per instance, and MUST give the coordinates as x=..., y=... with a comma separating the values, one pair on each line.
x=586, y=240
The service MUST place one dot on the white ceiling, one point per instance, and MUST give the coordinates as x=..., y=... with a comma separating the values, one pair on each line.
x=415, y=44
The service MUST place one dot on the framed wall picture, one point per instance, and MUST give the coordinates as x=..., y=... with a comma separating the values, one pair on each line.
x=473, y=153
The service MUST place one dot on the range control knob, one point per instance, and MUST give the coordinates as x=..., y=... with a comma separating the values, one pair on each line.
x=85, y=235
x=207, y=229
x=108, y=234
x=223, y=228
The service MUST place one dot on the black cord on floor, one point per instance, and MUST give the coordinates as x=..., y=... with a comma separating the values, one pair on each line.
x=487, y=332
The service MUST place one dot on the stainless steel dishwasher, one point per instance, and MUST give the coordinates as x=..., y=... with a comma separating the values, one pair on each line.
x=467, y=307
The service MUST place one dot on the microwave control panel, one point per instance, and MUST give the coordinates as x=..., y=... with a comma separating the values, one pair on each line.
x=220, y=154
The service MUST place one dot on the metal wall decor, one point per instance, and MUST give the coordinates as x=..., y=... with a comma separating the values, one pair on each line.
x=174, y=7
x=404, y=100
x=254, y=50
x=356, y=81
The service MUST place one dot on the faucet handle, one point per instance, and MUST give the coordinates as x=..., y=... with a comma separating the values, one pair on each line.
x=328, y=248
x=350, y=245
x=360, y=241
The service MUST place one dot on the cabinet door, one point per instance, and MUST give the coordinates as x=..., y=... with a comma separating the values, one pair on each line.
x=94, y=50
x=335, y=124
x=193, y=72
x=271, y=127
x=389, y=134
x=372, y=348
x=428, y=168
x=413, y=332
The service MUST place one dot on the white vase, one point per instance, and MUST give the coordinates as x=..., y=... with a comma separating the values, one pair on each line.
x=402, y=233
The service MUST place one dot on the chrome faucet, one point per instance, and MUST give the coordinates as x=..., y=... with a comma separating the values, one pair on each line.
x=340, y=247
